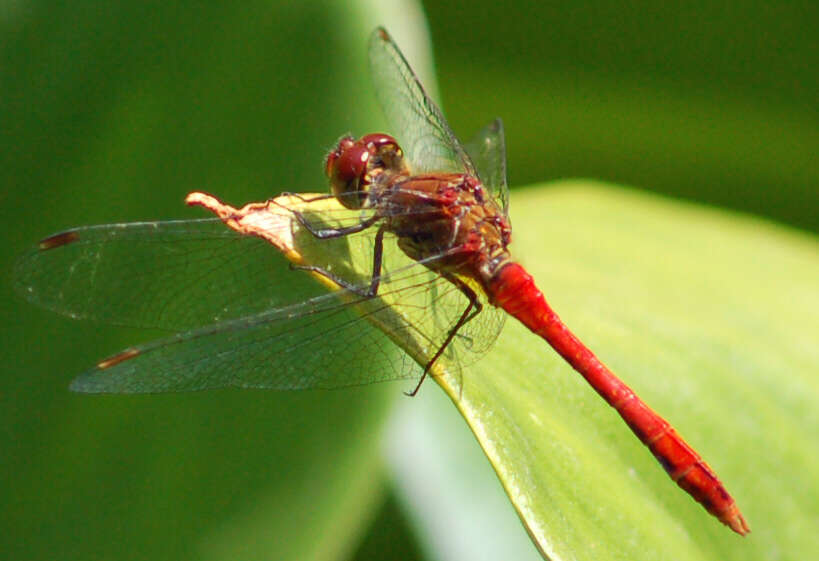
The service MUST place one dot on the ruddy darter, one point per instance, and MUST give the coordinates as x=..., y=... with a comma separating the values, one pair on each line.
x=441, y=296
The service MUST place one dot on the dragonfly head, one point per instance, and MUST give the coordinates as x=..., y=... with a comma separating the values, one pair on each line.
x=356, y=164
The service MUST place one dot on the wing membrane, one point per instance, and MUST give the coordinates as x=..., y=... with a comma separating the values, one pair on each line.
x=334, y=340
x=316, y=344
x=418, y=124
x=171, y=275
x=488, y=153
x=168, y=275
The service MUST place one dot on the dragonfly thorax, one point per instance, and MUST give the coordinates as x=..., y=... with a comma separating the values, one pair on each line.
x=355, y=165
x=448, y=221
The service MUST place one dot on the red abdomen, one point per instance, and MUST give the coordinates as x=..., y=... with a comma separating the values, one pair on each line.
x=514, y=290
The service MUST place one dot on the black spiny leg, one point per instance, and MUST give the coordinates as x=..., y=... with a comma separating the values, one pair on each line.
x=302, y=198
x=370, y=291
x=328, y=233
x=472, y=309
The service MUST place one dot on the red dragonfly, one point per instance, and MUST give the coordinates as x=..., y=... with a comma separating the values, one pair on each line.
x=238, y=316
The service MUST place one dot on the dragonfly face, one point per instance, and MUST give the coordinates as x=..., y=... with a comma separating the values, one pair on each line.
x=354, y=166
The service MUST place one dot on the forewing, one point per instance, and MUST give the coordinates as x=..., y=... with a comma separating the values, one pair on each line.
x=417, y=123
x=488, y=153
x=173, y=275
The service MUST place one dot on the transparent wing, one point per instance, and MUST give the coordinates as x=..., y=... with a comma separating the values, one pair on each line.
x=331, y=341
x=320, y=343
x=488, y=153
x=241, y=316
x=171, y=275
x=418, y=124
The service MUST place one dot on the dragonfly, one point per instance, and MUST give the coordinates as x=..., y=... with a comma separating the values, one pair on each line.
x=413, y=239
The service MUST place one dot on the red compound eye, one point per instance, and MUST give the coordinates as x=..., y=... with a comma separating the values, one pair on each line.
x=378, y=139
x=330, y=164
x=346, y=167
x=351, y=164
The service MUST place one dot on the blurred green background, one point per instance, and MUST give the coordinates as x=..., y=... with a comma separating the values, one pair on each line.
x=711, y=101
x=114, y=111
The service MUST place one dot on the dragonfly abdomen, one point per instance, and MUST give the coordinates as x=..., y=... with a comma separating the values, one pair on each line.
x=514, y=290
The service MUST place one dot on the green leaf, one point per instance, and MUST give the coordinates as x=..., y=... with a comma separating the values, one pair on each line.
x=712, y=318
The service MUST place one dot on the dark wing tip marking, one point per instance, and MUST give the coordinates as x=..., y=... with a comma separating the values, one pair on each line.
x=382, y=33
x=127, y=354
x=58, y=240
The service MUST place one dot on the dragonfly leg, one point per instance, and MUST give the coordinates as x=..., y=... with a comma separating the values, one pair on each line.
x=304, y=199
x=472, y=309
x=372, y=289
x=329, y=233
x=324, y=233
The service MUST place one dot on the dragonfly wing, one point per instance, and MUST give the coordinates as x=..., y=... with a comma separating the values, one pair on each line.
x=418, y=124
x=173, y=275
x=330, y=341
x=320, y=343
x=488, y=153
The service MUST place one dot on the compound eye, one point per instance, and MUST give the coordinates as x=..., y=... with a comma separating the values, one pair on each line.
x=354, y=165
x=378, y=139
x=346, y=167
x=387, y=155
x=351, y=164
x=332, y=158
